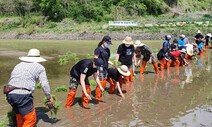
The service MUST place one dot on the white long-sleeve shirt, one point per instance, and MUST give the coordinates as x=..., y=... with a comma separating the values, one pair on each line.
x=25, y=75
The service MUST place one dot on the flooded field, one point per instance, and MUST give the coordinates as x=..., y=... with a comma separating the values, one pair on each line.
x=178, y=97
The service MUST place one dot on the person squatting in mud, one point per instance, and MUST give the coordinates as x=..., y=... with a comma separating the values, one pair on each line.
x=142, y=49
x=79, y=76
x=115, y=78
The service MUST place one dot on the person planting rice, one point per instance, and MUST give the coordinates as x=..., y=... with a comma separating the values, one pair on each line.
x=79, y=76
x=21, y=85
x=115, y=78
x=142, y=49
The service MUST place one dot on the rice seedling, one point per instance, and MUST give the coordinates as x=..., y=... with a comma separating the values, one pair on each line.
x=2, y=124
x=61, y=89
x=56, y=104
x=38, y=86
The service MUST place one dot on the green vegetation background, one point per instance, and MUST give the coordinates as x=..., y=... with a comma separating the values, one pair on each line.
x=62, y=16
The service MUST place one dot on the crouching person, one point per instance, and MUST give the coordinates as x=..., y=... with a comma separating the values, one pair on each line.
x=22, y=84
x=141, y=49
x=79, y=76
x=116, y=78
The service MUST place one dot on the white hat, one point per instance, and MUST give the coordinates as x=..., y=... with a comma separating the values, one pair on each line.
x=198, y=31
x=189, y=50
x=138, y=43
x=209, y=35
x=169, y=37
x=123, y=69
x=182, y=36
x=33, y=56
x=128, y=40
x=183, y=50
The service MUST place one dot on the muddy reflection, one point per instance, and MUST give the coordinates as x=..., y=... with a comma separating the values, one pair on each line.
x=175, y=97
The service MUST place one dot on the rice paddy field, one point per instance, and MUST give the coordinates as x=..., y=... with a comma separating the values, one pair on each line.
x=178, y=97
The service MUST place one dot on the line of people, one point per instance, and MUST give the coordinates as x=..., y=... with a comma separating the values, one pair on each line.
x=24, y=76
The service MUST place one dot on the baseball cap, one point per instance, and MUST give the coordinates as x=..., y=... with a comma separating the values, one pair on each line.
x=107, y=39
x=98, y=62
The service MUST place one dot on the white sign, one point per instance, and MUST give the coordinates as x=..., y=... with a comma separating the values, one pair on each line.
x=123, y=23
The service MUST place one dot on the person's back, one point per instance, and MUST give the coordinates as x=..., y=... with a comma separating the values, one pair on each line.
x=21, y=85
x=26, y=74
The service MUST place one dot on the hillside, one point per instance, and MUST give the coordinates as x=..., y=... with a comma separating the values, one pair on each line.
x=88, y=19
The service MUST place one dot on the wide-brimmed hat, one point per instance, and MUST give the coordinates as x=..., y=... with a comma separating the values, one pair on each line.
x=209, y=35
x=123, y=69
x=138, y=43
x=183, y=50
x=189, y=49
x=128, y=40
x=33, y=56
x=107, y=39
x=182, y=36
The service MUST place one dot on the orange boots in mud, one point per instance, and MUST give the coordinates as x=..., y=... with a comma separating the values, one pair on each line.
x=28, y=120
x=71, y=97
x=143, y=65
x=98, y=90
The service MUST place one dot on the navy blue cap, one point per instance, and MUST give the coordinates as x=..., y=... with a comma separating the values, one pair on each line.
x=107, y=39
x=98, y=62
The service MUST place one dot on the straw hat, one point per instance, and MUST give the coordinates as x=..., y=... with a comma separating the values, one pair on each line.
x=123, y=69
x=183, y=50
x=33, y=56
x=128, y=40
x=189, y=50
x=138, y=43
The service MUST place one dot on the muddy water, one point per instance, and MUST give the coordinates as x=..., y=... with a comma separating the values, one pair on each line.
x=177, y=97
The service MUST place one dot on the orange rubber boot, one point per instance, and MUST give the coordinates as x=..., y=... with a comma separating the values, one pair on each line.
x=155, y=65
x=143, y=65
x=131, y=77
x=98, y=90
x=112, y=86
x=30, y=119
x=85, y=100
x=70, y=98
x=162, y=64
x=177, y=63
x=168, y=64
x=20, y=120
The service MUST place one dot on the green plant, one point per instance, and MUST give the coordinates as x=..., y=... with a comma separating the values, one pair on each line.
x=38, y=86
x=2, y=124
x=56, y=103
x=61, y=89
x=67, y=56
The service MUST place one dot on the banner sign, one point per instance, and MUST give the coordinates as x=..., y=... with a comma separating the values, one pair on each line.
x=123, y=23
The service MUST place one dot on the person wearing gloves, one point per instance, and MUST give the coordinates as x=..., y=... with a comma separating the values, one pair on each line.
x=142, y=49
x=79, y=76
x=125, y=55
x=115, y=78
x=21, y=85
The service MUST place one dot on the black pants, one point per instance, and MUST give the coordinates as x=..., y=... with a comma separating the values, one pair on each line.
x=21, y=103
